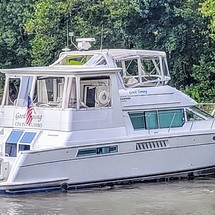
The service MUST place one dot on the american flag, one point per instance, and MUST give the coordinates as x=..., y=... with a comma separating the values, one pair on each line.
x=29, y=111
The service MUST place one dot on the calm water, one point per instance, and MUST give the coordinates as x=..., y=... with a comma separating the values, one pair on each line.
x=169, y=198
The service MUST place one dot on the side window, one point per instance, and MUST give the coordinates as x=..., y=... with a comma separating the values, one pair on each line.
x=144, y=120
x=137, y=120
x=95, y=92
x=11, y=143
x=191, y=116
x=97, y=151
x=157, y=119
x=171, y=118
x=151, y=119
x=18, y=141
x=13, y=91
x=48, y=91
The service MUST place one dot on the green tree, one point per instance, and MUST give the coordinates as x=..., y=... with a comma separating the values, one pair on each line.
x=47, y=24
x=208, y=9
x=86, y=18
x=203, y=87
x=176, y=27
x=14, y=41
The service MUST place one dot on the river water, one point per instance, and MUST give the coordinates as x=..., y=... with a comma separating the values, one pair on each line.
x=196, y=197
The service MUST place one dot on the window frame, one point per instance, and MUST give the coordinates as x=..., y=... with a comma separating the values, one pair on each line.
x=12, y=147
x=156, y=123
x=97, y=151
x=89, y=82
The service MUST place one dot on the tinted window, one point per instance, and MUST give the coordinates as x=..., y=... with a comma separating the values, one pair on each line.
x=157, y=119
x=171, y=118
x=14, y=137
x=27, y=137
x=137, y=120
x=97, y=151
x=151, y=119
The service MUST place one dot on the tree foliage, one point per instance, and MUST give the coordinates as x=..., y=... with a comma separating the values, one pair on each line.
x=14, y=41
x=177, y=27
x=208, y=9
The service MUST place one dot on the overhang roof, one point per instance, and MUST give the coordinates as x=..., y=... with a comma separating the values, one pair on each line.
x=72, y=70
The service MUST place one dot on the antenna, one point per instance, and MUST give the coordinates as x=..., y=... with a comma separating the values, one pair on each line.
x=66, y=49
x=67, y=34
x=102, y=34
x=71, y=34
x=83, y=43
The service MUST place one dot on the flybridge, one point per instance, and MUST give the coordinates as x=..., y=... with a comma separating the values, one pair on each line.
x=139, y=67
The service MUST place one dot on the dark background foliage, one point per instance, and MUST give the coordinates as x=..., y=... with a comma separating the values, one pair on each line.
x=33, y=33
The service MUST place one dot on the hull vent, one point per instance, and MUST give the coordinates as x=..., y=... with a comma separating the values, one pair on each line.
x=152, y=145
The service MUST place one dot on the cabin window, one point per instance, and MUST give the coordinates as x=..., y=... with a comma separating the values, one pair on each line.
x=11, y=143
x=171, y=118
x=195, y=113
x=75, y=60
x=95, y=92
x=49, y=91
x=97, y=151
x=137, y=120
x=157, y=119
x=151, y=119
x=96, y=60
x=27, y=137
x=86, y=152
x=147, y=70
x=106, y=150
x=18, y=141
x=191, y=116
x=13, y=91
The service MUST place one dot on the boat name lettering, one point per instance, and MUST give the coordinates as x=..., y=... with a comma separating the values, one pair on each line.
x=23, y=116
x=21, y=124
x=137, y=92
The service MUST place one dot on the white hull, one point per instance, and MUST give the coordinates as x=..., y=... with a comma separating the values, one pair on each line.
x=58, y=168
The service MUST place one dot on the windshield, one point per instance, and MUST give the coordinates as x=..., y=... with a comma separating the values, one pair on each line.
x=74, y=60
x=194, y=113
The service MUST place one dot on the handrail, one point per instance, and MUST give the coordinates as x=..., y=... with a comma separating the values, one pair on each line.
x=192, y=125
x=172, y=121
x=212, y=123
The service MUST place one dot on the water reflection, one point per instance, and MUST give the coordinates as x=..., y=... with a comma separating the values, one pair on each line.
x=195, y=197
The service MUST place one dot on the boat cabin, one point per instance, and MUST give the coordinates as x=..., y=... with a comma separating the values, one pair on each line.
x=59, y=96
x=92, y=100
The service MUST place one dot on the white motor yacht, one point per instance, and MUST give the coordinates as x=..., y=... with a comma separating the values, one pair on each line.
x=99, y=117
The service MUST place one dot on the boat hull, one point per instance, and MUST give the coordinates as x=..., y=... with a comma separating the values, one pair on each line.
x=61, y=169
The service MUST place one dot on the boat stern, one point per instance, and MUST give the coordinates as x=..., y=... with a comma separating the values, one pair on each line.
x=4, y=168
